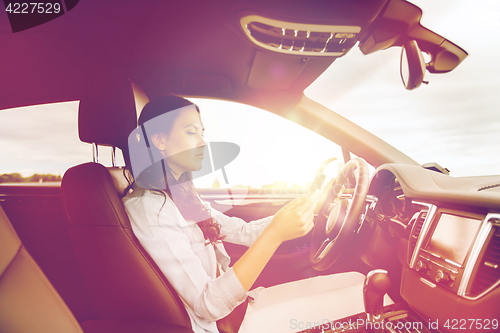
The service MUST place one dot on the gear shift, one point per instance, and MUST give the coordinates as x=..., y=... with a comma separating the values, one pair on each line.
x=376, y=284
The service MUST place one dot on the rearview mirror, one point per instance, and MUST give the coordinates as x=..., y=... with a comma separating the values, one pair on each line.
x=412, y=65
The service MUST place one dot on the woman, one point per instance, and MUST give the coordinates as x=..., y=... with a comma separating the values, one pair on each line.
x=182, y=234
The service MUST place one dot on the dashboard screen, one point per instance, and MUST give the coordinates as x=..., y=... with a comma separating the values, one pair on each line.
x=453, y=237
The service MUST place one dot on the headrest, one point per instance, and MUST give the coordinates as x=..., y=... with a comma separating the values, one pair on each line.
x=90, y=197
x=107, y=113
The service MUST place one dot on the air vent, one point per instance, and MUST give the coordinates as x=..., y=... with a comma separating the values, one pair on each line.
x=415, y=232
x=299, y=38
x=489, y=266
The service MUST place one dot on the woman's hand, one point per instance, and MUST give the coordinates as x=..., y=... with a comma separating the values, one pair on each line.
x=295, y=219
x=324, y=193
x=292, y=221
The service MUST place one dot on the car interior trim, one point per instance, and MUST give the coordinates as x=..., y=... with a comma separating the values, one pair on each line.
x=438, y=264
x=479, y=244
x=413, y=221
x=427, y=282
x=95, y=153
x=451, y=262
x=487, y=291
x=371, y=201
x=393, y=220
x=425, y=227
x=113, y=156
x=10, y=187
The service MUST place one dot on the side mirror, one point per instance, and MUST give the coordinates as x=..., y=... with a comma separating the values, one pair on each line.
x=412, y=65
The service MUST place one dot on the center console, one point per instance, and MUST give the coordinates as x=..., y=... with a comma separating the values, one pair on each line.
x=452, y=274
x=444, y=247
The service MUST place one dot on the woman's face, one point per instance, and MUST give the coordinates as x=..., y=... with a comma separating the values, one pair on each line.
x=184, y=147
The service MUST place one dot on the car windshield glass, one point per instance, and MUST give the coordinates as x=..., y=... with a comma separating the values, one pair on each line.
x=454, y=120
x=273, y=152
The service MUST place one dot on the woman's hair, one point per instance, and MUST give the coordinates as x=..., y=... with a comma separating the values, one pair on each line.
x=186, y=198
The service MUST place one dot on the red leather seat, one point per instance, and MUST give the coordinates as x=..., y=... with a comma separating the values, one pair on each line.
x=124, y=283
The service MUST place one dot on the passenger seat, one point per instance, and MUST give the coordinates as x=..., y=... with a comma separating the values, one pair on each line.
x=28, y=301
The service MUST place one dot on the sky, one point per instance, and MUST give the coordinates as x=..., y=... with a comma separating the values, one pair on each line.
x=453, y=121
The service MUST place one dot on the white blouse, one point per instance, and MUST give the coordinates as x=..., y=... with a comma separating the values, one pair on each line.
x=178, y=248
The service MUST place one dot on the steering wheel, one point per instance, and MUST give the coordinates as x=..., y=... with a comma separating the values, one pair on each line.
x=331, y=235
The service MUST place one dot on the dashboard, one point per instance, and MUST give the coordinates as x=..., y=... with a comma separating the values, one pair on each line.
x=447, y=232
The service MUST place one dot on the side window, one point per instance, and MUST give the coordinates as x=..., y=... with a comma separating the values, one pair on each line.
x=40, y=142
x=274, y=152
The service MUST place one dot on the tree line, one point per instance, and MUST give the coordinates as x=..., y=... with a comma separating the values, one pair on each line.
x=17, y=178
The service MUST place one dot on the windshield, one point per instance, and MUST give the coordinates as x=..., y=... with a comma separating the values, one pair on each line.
x=454, y=120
